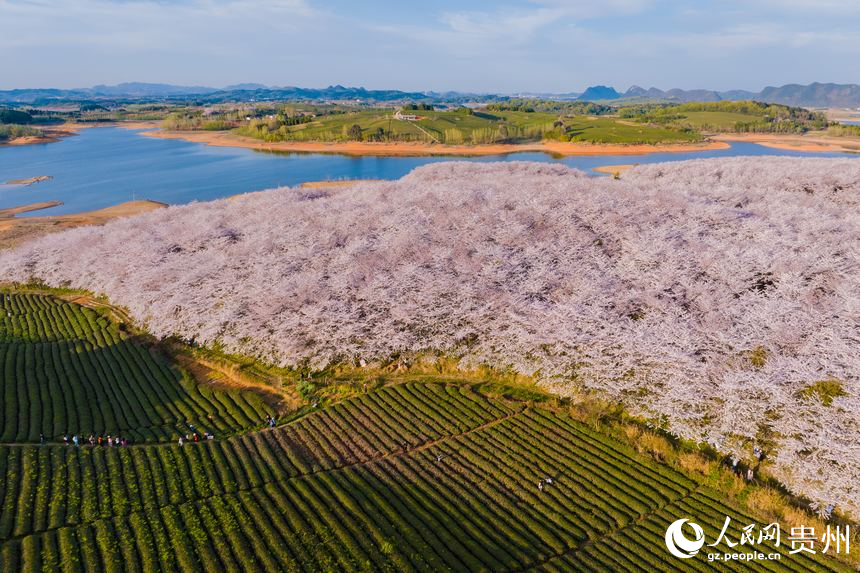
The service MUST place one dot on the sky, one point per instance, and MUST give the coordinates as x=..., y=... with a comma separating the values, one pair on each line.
x=554, y=46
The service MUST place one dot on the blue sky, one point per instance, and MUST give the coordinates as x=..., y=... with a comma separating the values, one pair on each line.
x=468, y=45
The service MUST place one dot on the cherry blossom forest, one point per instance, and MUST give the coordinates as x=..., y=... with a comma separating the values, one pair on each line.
x=719, y=297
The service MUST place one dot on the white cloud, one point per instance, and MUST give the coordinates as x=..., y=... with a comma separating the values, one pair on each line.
x=812, y=7
x=517, y=26
x=138, y=24
x=592, y=9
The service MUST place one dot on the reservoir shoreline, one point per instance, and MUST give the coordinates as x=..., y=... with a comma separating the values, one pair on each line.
x=810, y=142
x=101, y=168
x=406, y=149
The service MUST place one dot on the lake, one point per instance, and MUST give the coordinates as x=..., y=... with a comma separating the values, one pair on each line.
x=105, y=166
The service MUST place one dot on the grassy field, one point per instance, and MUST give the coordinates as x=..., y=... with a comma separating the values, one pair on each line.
x=454, y=127
x=721, y=120
x=610, y=130
x=533, y=121
x=416, y=475
x=728, y=117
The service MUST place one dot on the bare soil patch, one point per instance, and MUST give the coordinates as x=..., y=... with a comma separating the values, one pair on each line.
x=812, y=143
x=16, y=230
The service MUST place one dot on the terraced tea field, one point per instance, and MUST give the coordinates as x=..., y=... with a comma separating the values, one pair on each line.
x=416, y=476
x=69, y=370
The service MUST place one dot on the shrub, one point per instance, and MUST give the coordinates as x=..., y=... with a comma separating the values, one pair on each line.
x=824, y=390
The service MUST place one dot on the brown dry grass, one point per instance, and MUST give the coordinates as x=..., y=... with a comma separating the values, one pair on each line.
x=229, y=376
x=695, y=463
x=656, y=446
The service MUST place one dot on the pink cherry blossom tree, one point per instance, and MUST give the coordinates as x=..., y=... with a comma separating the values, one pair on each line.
x=709, y=294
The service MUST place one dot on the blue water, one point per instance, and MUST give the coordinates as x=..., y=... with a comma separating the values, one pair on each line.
x=105, y=166
x=850, y=122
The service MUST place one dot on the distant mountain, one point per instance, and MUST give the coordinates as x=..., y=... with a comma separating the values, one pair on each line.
x=245, y=87
x=595, y=93
x=605, y=93
x=692, y=95
x=241, y=92
x=139, y=89
x=125, y=91
x=738, y=95
x=331, y=93
x=466, y=97
x=29, y=96
x=640, y=92
x=542, y=95
x=636, y=91
x=814, y=95
x=673, y=95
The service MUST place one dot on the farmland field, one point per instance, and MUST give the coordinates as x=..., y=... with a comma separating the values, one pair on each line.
x=470, y=127
x=68, y=369
x=721, y=120
x=417, y=476
x=729, y=116
x=609, y=130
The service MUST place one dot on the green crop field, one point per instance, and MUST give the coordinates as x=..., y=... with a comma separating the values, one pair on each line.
x=69, y=370
x=719, y=120
x=453, y=127
x=424, y=475
x=459, y=127
x=609, y=130
x=727, y=117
